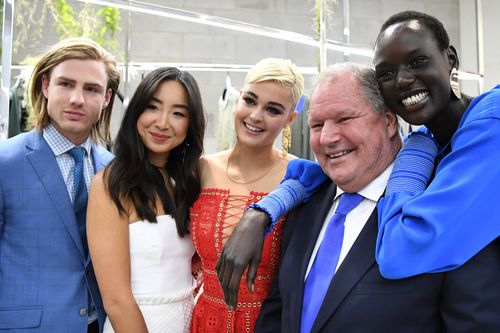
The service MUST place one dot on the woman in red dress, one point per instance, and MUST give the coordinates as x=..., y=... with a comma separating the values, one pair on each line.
x=235, y=178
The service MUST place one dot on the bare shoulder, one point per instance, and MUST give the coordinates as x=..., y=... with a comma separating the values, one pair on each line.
x=213, y=167
x=97, y=185
x=215, y=160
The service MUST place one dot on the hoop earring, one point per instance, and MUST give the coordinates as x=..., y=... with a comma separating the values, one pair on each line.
x=454, y=83
x=286, y=140
x=184, y=152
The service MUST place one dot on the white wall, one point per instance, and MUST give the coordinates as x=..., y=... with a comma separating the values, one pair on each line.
x=159, y=39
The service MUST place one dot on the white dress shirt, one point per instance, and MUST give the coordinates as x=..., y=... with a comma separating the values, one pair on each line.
x=356, y=219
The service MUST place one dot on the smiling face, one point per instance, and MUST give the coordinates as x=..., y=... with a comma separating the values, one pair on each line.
x=353, y=143
x=263, y=109
x=164, y=123
x=76, y=95
x=413, y=73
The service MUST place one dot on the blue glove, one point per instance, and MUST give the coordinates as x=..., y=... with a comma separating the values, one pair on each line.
x=414, y=164
x=301, y=180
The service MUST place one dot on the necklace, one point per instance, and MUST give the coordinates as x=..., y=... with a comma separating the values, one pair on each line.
x=246, y=182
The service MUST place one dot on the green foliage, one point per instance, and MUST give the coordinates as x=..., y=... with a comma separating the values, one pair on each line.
x=65, y=18
x=110, y=25
x=31, y=19
x=99, y=25
x=328, y=12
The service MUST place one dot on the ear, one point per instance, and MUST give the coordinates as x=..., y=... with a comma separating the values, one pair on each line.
x=292, y=117
x=107, y=98
x=452, y=57
x=391, y=122
x=45, y=85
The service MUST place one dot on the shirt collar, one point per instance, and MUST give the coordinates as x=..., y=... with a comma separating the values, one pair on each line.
x=374, y=190
x=60, y=144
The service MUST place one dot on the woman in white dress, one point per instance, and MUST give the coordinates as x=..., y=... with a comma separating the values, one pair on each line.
x=138, y=209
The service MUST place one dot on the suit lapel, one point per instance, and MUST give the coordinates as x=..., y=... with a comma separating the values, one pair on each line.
x=43, y=161
x=310, y=224
x=357, y=262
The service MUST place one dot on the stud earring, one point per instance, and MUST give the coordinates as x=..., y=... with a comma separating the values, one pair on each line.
x=454, y=83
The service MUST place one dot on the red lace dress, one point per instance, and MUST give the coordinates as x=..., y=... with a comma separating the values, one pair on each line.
x=213, y=217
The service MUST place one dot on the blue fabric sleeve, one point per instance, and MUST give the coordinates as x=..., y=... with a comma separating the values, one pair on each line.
x=301, y=180
x=413, y=165
x=442, y=227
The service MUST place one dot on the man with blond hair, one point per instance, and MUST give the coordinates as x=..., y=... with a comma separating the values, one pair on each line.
x=47, y=283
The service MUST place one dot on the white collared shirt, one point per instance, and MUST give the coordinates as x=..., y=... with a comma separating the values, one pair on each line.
x=356, y=218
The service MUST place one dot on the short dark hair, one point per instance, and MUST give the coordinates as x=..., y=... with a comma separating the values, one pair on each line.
x=435, y=26
x=131, y=178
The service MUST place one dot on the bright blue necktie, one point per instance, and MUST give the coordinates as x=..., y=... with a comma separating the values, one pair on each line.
x=327, y=257
x=80, y=193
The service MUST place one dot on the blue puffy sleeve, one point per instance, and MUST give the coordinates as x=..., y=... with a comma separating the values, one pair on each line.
x=301, y=180
x=441, y=227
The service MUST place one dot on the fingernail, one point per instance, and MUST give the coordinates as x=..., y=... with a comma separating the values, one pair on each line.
x=252, y=288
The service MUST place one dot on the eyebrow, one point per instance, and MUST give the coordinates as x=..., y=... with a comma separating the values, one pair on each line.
x=270, y=102
x=183, y=106
x=92, y=84
x=409, y=54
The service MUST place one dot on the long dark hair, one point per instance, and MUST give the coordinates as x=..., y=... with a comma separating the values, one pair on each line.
x=132, y=178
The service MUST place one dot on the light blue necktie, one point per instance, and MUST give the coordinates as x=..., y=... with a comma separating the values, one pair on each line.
x=327, y=257
x=80, y=193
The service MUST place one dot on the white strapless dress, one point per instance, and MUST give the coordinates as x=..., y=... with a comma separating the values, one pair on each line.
x=162, y=282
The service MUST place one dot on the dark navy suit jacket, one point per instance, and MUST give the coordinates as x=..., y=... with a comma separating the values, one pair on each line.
x=360, y=300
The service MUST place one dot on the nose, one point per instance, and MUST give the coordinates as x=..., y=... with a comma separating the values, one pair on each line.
x=162, y=122
x=330, y=133
x=404, y=78
x=76, y=97
x=256, y=115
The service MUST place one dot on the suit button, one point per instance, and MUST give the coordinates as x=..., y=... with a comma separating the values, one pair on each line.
x=83, y=312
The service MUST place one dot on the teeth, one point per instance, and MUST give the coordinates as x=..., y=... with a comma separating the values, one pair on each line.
x=342, y=153
x=252, y=128
x=412, y=100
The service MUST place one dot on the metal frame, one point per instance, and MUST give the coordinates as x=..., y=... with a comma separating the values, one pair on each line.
x=8, y=24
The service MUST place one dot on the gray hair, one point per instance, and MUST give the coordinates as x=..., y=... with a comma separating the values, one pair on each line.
x=365, y=76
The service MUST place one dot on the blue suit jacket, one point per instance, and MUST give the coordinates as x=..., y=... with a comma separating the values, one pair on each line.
x=44, y=275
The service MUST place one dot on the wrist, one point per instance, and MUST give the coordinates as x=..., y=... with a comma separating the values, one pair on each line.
x=258, y=216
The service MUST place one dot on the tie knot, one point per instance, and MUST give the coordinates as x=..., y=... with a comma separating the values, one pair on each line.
x=347, y=202
x=77, y=153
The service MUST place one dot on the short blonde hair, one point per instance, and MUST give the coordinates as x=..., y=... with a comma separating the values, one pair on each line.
x=74, y=48
x=282, y=71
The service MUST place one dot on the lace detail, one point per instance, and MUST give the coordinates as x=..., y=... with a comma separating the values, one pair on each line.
x=234, y=210
x=213, y=218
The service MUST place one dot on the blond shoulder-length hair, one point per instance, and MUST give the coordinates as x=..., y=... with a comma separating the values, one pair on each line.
x=74, y=48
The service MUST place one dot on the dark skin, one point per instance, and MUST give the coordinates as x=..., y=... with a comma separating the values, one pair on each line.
x=248, y=235
x=409, y=64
